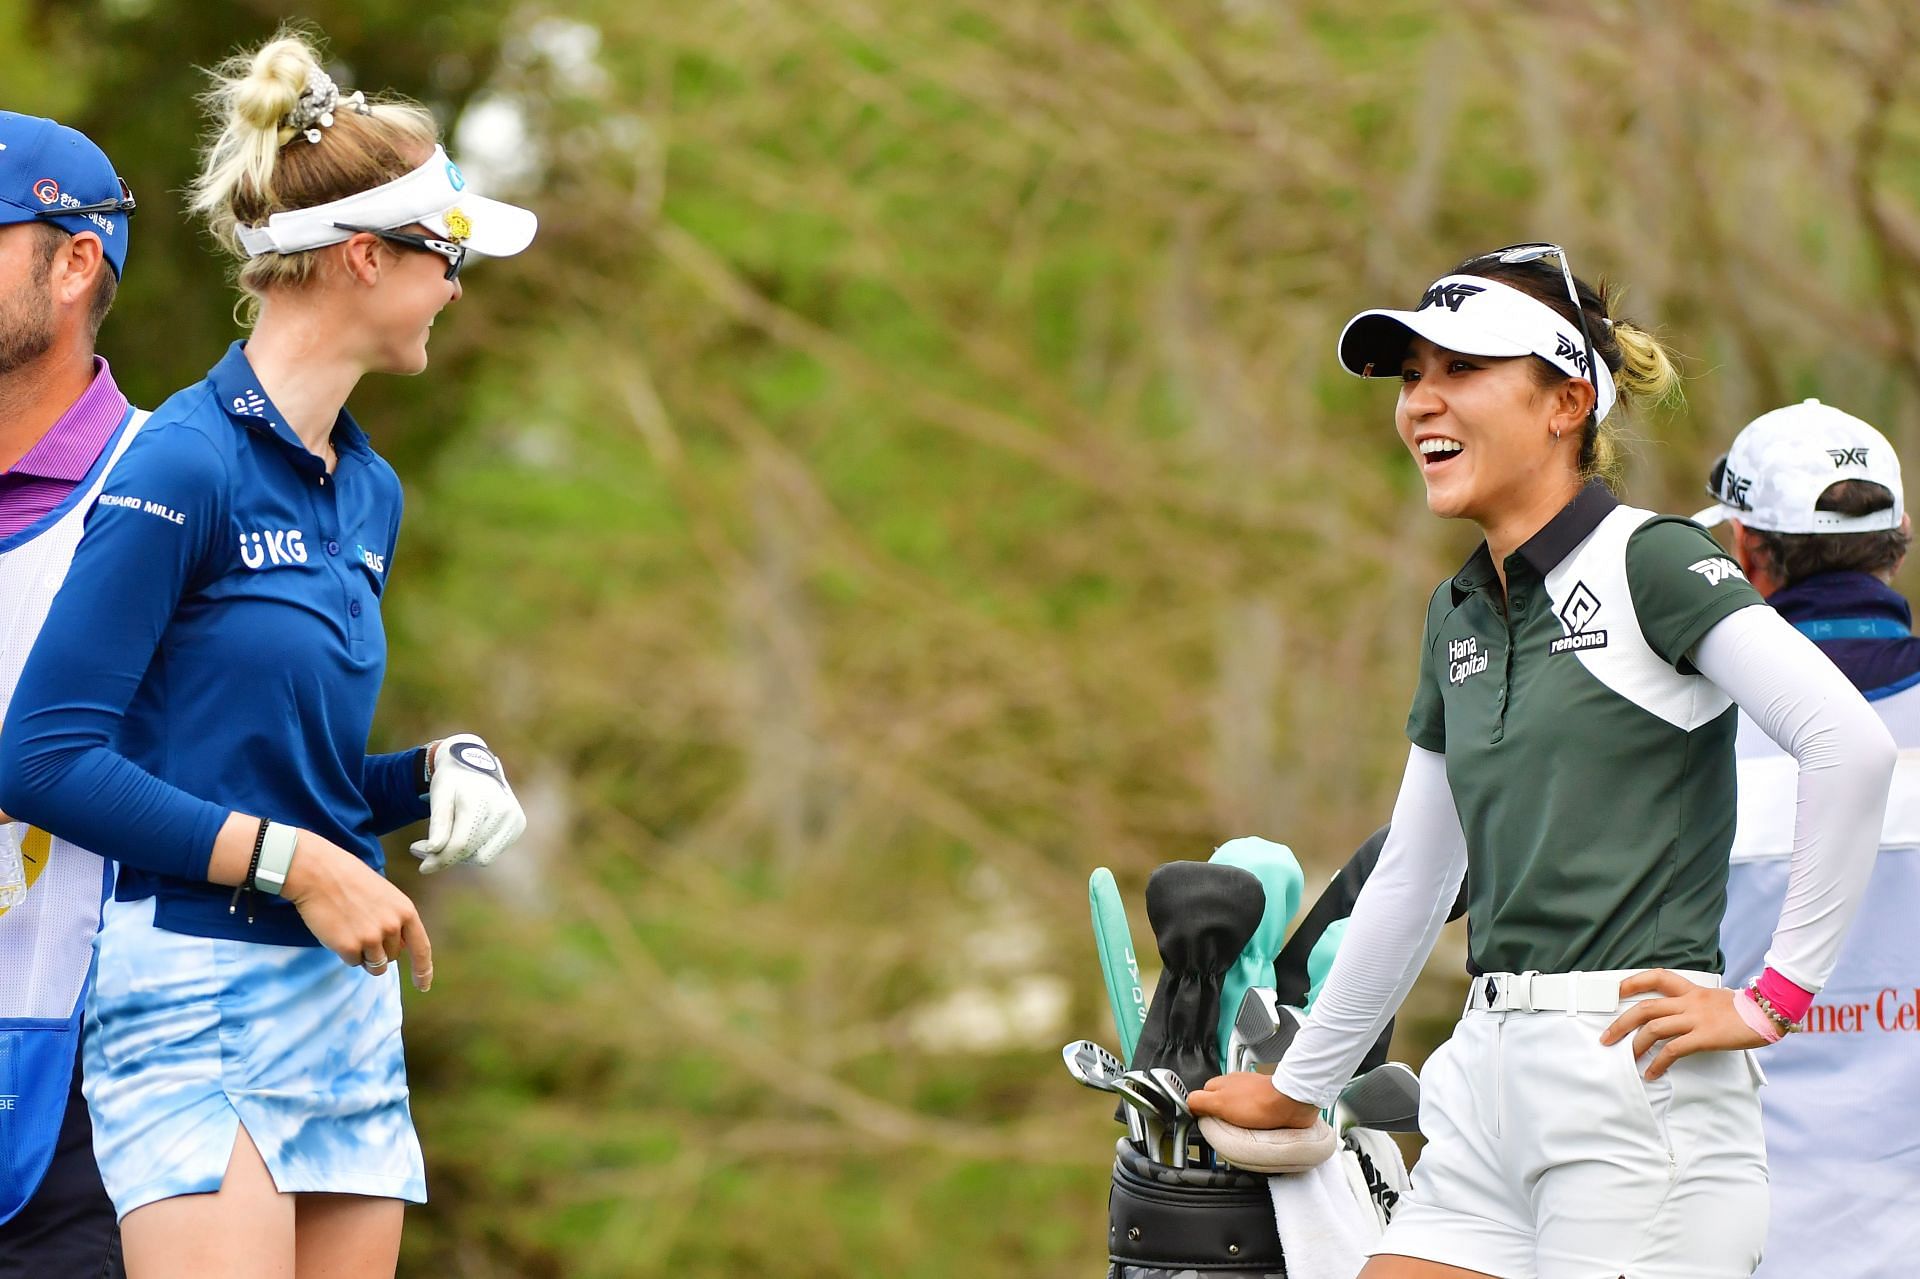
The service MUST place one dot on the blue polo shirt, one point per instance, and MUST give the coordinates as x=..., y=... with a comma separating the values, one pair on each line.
x=217, y=648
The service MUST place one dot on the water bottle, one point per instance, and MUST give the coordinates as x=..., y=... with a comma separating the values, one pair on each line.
x=13, y=868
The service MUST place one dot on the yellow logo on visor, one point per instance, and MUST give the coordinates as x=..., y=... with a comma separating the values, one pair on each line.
x=459, y=225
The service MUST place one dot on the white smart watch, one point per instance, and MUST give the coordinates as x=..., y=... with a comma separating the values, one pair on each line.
x=276, y=855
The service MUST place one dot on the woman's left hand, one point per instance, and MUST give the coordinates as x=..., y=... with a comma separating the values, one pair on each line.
x=1690, y=1019
x=474, y=816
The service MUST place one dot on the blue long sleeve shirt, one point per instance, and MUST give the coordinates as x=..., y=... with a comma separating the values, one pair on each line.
x=217, y=647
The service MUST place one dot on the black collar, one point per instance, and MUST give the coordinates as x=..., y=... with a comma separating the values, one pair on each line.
x=1545, y=549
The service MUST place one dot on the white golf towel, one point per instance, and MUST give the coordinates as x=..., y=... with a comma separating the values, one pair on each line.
x=1324, y=1230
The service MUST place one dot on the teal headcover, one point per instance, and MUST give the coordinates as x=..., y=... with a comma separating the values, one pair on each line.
x=1321, y=958
x=1279, y=873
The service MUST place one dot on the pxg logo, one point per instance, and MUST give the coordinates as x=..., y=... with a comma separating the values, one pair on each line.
x=1566, y=349
x=1448, y=295
x=1733, y=488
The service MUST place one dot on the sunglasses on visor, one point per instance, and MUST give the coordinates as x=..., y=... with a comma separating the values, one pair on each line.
x=123, y=204
x=455, y=254
x=1516, y=254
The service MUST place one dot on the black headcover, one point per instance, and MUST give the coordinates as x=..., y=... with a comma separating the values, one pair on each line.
x=1202, y=913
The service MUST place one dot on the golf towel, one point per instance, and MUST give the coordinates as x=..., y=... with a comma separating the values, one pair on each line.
x=1376, y=1170
x=1325, y=1231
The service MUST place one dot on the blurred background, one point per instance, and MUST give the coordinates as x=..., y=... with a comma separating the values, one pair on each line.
x=910, y=470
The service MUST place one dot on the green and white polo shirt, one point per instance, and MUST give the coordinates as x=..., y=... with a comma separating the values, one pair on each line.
x=1591, y=764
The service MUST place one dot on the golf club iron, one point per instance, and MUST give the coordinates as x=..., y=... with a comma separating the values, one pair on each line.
x=1157, y=1110
x=1386, y=1099
x=1176, y=1090
x=1094, y=1067
x=1262, y=1029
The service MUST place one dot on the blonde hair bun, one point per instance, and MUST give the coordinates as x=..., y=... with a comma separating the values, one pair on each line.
x=252, y=96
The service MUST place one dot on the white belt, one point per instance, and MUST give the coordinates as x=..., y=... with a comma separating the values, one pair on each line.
x=1532, y=992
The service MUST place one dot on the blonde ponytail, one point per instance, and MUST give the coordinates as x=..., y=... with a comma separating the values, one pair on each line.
x=257, y=164
x=1644, y=372
x=1647, y=369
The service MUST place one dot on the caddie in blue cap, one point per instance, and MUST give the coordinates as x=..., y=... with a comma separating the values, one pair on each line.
x=64, y=216
x=56, y=175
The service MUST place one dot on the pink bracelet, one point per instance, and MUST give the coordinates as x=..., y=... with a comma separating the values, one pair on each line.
x=1788, y=999
x=1758, y=1022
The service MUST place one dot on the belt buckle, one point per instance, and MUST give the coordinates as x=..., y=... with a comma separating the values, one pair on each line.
x=1492, y=990
x=1520, y=991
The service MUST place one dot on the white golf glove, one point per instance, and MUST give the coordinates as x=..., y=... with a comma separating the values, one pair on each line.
x=474, y=814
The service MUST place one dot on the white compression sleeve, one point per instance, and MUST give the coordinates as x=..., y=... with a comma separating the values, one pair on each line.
x=1846, y=757
x=1395, y=922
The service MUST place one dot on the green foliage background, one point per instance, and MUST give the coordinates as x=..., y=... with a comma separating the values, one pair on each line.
x=908, y=471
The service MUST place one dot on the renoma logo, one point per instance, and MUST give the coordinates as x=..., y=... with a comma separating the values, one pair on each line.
x=1848, y=457
x=278, y=545
x=1716, y=571
x=1565, y=349
x=1465, y=659
x=1448, y=295
x=1577, y=616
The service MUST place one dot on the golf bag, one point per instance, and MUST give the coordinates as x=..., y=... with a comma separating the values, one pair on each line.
x=1169, y=1223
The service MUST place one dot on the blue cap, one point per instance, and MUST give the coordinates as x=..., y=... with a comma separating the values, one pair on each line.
x=50, y=173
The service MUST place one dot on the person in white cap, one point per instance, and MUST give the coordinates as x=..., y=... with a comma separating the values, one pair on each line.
x=243, y=1064
x=1813, y=506
x=1595, y=1112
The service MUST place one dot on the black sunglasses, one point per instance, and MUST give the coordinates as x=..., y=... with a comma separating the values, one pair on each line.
x=124, y=204
x=455, y=254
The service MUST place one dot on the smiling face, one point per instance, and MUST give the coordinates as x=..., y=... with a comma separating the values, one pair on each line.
x=1482, y=431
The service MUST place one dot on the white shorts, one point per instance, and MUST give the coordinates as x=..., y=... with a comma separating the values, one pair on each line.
x=1549, y=1155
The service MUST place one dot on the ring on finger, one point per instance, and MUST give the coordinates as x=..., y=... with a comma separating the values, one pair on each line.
x=376, y=966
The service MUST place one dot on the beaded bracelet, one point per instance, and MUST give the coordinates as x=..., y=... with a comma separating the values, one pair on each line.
x=1765, y=1005
x=253, y=866
x=1755, y=1020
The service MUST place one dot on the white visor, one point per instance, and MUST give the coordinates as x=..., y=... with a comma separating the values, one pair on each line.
x=434, y=195
x=1474, y=316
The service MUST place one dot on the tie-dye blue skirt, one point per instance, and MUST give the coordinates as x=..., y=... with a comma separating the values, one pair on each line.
x=189, y=1037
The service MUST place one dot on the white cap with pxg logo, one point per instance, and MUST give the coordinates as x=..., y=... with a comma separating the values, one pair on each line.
x=1781, y=463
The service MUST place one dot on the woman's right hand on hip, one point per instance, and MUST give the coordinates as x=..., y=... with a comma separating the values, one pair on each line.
x=354, y=911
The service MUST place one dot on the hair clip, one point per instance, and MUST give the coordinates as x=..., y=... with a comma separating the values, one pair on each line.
x=317, y=103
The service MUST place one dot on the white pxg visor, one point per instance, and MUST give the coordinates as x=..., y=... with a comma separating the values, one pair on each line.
x=1474, y=316
x=434, y=195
